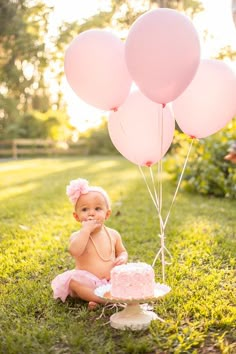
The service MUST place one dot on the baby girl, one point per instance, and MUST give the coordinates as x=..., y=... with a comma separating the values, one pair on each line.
x=95, y=247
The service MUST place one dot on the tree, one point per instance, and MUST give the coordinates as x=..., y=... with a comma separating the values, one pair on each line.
x=227, y=51
x=123, y=13
x=234, y=11
x=23, y=57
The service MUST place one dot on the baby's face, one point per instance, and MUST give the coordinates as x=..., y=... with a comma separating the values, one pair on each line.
x=92, y=206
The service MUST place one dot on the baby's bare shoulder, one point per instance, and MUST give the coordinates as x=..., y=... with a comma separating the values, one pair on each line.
x=73, y=235
x=113, y=232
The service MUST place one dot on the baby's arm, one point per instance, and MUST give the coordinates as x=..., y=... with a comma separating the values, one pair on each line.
x=121, y=253
x=79, y=239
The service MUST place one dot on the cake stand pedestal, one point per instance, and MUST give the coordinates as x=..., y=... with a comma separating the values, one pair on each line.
x=134, y=316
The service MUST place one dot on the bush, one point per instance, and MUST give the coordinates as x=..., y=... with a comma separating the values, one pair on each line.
x=98, y=140
x=48, y=125
x=207, y=171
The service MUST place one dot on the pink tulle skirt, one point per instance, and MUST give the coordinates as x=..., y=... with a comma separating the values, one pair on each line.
x=60, y=284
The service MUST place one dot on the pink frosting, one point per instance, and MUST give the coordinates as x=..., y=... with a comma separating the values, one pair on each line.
x=132, y=281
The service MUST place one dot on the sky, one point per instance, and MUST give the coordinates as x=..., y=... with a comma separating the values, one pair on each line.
x=216, y=20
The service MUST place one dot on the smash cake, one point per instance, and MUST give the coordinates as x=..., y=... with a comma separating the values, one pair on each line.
x=132, y=281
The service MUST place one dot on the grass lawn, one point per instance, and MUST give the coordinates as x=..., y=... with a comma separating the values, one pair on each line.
x=35, y=224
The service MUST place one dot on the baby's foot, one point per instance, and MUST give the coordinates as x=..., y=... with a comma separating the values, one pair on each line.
x=92, y=305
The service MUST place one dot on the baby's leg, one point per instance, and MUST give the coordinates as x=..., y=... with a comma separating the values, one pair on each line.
x=84, y=292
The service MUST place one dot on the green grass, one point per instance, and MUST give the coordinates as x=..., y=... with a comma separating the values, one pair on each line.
x=36, y=222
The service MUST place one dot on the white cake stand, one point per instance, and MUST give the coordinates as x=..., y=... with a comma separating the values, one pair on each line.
x=134, y=316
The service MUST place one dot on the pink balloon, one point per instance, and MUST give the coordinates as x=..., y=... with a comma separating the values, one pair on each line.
x=137, y=131
x=96, y=70
x=209, y=102
x=162, y=54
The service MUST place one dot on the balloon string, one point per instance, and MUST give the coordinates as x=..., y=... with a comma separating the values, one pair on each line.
x=162, y=235
x=178, y=185
x=157, y=195
x=155, y=202
x=159, y=180
x=162, y=249
x=160, y=194
x=156, y=198
x=159, y=184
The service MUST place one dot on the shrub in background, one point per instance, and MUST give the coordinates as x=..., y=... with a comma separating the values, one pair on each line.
x=98, y=140
x=207, y=171
x=36, y=125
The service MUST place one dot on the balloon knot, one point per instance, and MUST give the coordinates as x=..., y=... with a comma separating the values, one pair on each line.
x=163, y=105
x=192, y=136
x=148, y=163
x=114, y=109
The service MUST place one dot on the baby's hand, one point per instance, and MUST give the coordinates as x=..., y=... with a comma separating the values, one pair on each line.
x=90, y=225
x=120, y=260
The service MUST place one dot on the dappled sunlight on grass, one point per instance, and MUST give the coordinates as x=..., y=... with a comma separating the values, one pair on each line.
x=106, y=164
x=18, y=190
x=41, y=166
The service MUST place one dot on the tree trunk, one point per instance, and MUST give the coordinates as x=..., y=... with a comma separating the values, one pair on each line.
x=234, y=11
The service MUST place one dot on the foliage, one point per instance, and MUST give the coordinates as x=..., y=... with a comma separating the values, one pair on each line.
x=188, y=6
x=123, y=13
x=48, y=125
x=98, y=140
x=23, y=56
x=22, y=47
x=207, y=171
x=199, y=312
x=27, y=54
x=227, y=52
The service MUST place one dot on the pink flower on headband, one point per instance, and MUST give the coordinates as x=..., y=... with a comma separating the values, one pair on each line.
x=80, y=186
x=76, y=188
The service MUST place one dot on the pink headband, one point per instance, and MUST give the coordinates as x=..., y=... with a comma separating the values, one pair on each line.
x=80, y=186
